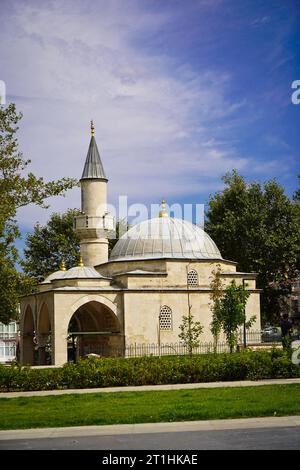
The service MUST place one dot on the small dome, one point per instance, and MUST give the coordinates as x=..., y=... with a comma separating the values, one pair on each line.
x=56, y=275
x=165, y=237
x=81, y=272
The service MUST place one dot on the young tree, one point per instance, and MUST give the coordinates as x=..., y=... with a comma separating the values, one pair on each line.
x=216, y=295
x=231, y=312
x=18, y=188
x=259, y=227
x=190, y=332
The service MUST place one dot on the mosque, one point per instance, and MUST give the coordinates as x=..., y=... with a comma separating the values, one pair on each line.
x=157, y=272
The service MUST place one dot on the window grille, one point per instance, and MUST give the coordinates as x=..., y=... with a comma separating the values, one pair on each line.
x=192, y=278
x=165, y=318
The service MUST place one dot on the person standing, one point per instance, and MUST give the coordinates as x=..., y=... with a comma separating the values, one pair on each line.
x=286, y=330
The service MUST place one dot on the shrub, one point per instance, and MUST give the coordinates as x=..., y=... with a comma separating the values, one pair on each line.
x=110, y=372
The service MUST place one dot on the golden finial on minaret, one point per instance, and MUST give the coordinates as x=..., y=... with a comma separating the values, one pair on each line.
x=163, y=212
x=80, y=263
x=92, y=128
x=62, y=266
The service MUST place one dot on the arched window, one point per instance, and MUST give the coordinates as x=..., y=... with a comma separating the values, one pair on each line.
x=165, y=318
x=192, y=278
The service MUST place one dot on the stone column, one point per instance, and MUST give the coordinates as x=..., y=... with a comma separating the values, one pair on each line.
x=41, y=340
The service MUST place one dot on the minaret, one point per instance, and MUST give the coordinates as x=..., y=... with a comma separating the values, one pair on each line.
x=94, y=222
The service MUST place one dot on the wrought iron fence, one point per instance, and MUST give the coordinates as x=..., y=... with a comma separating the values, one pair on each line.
x=170, y=349
x=254, y=337
x=155, y=349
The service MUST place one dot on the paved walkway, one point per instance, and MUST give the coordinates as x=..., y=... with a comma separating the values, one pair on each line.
x=145, y=388
x=149, y=428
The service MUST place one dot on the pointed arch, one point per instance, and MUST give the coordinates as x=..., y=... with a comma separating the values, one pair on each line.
x=94, y=328
x=43, y=335
x=27, y=336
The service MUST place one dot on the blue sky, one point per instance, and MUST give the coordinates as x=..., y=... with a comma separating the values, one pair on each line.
x=181, y=91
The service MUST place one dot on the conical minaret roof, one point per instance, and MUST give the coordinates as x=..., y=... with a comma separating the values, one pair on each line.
x=93, y=168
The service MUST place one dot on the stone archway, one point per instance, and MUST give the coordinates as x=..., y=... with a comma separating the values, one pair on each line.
x=94, y=328
x=28, y=332
x=43, y=335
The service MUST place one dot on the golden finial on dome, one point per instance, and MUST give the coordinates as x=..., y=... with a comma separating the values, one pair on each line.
x=80, y=263
x=163, y=212
x=92, y=128
x=62, y=266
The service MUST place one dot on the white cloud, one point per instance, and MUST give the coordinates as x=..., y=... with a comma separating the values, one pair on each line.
x=151, y=113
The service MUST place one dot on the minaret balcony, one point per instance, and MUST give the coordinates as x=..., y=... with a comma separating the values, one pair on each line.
x=95, y=224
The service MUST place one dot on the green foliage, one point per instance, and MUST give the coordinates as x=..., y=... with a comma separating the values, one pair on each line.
x=13, y=284
x=16, y=377
x=18, y=188
x=231, y=312
x=121, y=227
x=297, y=193
x=259, y=227
x=91, y=373
x=48, y=245
x=216, y=295
x=190, y=332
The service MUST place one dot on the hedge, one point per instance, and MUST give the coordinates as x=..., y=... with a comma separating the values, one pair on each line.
x=109, y=372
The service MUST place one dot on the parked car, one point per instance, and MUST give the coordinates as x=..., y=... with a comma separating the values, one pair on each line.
x=271, y=334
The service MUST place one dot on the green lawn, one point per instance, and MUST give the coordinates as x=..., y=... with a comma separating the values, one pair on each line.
x=145, y=407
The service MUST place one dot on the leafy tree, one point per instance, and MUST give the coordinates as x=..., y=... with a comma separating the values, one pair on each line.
x=259, y=227
x=18, y=188
x=13, y=284
x=121, y=227
x=48, y=245
x=231, y=312
x=216, y=295
x=297, y=193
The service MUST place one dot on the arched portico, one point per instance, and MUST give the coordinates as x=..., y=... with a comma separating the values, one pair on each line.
x=43, y=335
x=94, y=328
x=27, y=337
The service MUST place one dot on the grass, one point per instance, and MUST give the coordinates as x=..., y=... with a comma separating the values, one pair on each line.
x=146, y=407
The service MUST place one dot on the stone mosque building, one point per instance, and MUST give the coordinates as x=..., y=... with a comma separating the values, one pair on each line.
x=156, y=272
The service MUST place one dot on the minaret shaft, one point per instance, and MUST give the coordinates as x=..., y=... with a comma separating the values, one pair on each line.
x=94, y=222
x=93, y=197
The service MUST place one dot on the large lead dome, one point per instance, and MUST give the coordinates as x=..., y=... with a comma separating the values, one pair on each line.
x=165, y=237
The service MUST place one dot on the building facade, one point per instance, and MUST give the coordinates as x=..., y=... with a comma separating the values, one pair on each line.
x=157, y=272
x=8, y=342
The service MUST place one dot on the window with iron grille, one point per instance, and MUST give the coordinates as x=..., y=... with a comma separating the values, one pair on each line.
x=165, y=318
x=192, y=278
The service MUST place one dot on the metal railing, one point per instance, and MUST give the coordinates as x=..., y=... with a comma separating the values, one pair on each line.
x=154, y=349
x=254, y=337
x=171, y=349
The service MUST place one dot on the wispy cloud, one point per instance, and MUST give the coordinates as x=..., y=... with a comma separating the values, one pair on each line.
x=163, y=126
x=260, y=21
